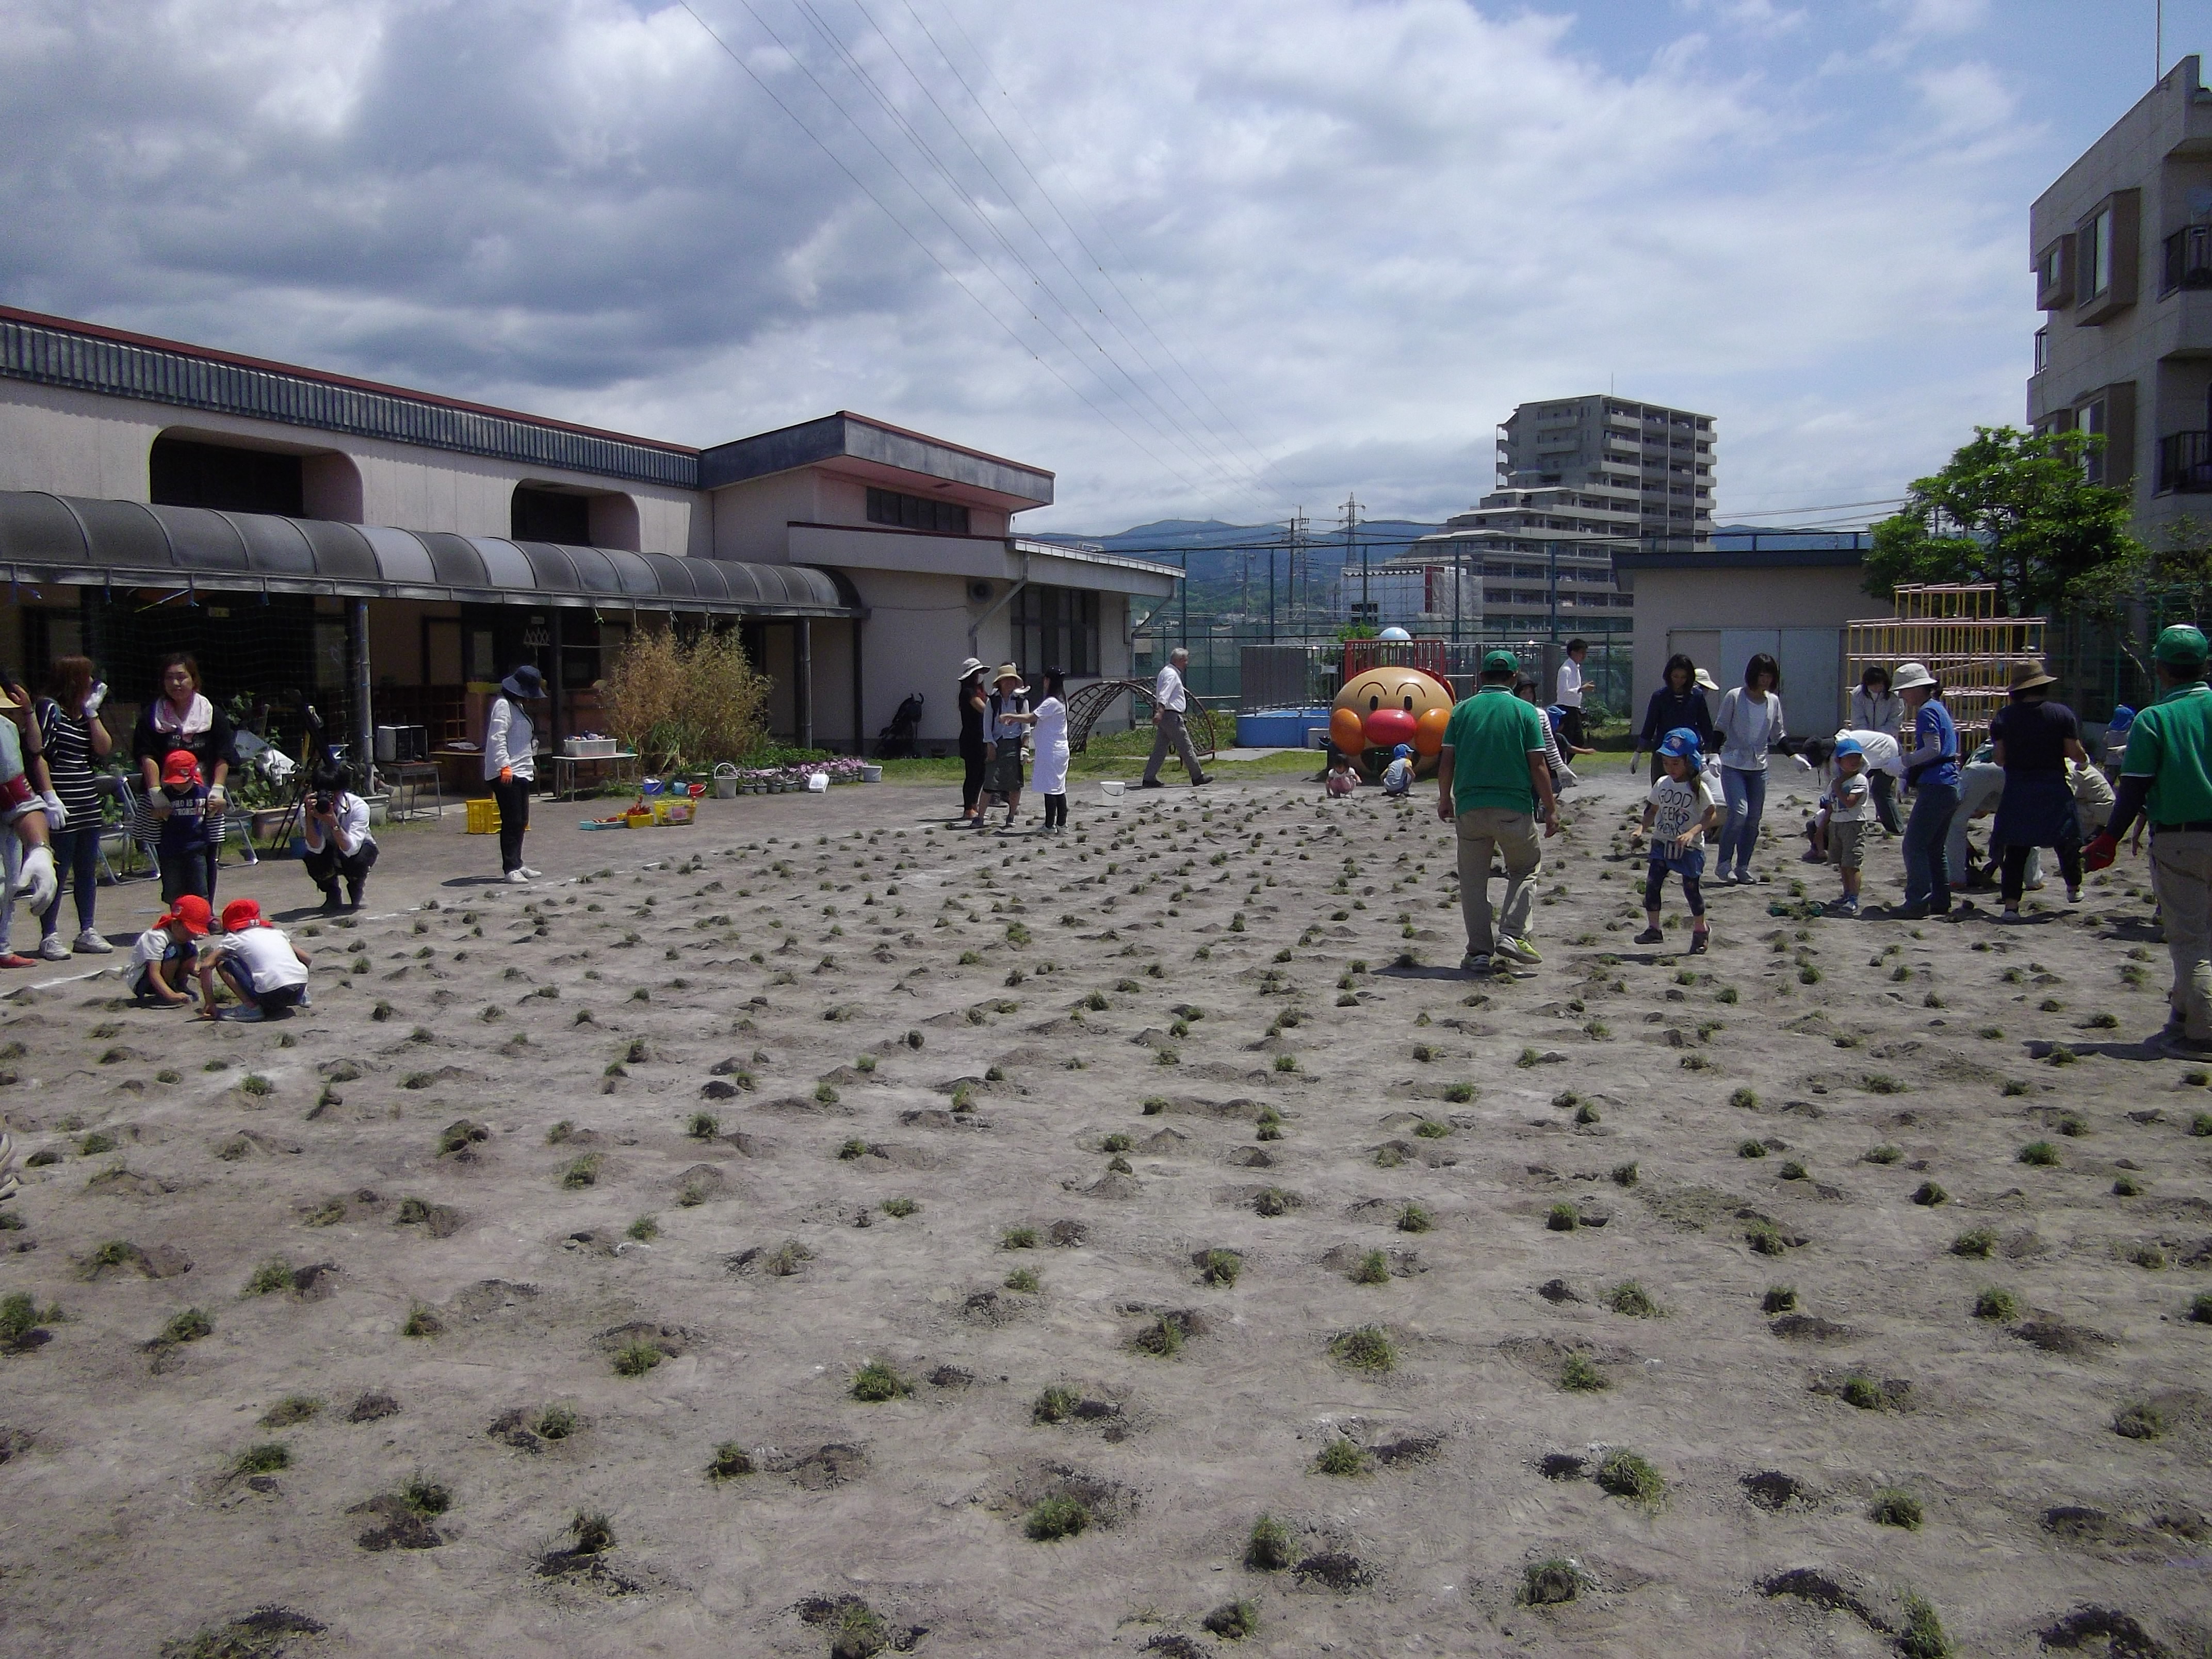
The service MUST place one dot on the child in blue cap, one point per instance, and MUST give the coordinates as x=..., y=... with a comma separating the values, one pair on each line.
x=1680, y=812
x=1398, y=776
x=1845, y=811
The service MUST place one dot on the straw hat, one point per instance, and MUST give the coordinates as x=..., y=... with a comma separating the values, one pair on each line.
x=1008, y=671
x=2026, y=676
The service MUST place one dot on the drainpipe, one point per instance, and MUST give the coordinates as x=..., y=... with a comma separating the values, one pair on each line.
x=976, y=628
x=364, y=724
x=802, y=681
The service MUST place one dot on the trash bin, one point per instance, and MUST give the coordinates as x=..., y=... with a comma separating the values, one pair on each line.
x=726, y=782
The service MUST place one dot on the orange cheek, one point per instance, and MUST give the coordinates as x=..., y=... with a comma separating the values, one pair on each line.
x=1429, y=731
x=1346, y=732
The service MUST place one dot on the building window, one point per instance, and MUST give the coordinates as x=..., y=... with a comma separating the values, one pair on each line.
x=184, y=473
x=916, y=512
x=1056, y=628
x=2042, y=350
x=2096, y=256
x=551, y=515
x=2091, y=419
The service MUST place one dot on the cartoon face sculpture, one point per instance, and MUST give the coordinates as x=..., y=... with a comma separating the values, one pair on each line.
x=1382, y=708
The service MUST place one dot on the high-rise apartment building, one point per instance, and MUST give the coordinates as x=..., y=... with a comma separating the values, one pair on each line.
x=2121, y=247
x=1657, y=463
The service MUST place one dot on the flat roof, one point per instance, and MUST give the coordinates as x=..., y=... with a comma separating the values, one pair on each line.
x=64, y=351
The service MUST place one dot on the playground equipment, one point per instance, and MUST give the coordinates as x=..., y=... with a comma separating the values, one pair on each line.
x=1955, y=630
x=1087, y=703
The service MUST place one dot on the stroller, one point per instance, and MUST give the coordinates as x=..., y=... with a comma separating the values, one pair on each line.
x=896, y=740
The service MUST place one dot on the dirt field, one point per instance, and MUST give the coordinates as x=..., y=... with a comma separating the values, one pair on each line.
x=1221, y=1176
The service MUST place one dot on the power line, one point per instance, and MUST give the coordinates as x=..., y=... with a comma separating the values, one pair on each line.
x=859, y=72
x=953, y=18
x=911, y=235
x=1830, y=507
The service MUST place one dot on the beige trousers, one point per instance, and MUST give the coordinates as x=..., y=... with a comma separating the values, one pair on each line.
x=2181, y=861
x=1514, y=836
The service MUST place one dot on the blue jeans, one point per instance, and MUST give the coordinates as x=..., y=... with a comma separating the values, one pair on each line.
x=77, y=858
x=1927, y=864
x=1745, y=792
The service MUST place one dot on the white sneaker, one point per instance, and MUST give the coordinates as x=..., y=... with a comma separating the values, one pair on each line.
x=51, y=948
x=518, y=877
x=534, y=875
x=92, y=943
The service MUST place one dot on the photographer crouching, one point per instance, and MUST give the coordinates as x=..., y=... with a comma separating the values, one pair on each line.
x=336, y=830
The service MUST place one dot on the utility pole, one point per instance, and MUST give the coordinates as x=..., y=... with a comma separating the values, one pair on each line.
x=1298, y=548
x=1351, y=530
x=1271, y=595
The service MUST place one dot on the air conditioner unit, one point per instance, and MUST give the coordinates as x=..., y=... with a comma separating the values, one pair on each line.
x=395, y=743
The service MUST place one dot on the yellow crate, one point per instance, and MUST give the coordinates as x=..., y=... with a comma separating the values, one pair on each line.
x=483, y=817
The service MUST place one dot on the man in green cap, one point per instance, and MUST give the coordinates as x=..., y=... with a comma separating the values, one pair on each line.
x=1491, y=781
x=2167, y=778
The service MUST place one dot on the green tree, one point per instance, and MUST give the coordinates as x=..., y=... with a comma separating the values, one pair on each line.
x=2149, y=586
x=2013, y=508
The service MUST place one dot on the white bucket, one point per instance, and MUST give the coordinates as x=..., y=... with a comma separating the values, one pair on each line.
x=872, y=773
x=1112, y=786
x=817, y=783
x=726, y=782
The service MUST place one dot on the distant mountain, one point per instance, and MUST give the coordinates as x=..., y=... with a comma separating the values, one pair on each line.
x=1221, y=554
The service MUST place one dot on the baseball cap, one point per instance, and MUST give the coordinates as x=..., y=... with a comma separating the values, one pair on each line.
x=1681, y=742
x=2180, y=645
x=240, y=914
x=1403, y=752
x=1850, y=747
x=180, y=766
x=191, y=910
x=1500, y=662
x=2122, y=718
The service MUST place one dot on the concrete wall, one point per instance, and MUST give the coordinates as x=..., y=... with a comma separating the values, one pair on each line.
x=82, y=443
x=1722, y=603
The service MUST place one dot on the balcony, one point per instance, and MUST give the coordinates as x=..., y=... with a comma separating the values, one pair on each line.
x=2185, y=464
x=2188, y=261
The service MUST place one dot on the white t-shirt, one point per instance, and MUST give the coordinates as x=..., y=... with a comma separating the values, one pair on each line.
x=1398, y=777
x=1851, y=798
x=265, y=953
x=153, y=946
x=1681, y=807
x=352, y=817
x=1882, y=753
x=1569, y=685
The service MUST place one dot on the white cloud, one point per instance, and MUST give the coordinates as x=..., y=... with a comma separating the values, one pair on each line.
x=1358, y=231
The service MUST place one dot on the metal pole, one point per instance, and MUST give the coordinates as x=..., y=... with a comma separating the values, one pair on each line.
x=1271, y=594
x=802, y=681
x=859, y=706
x=364, y=729
x=1186, y=598
x=560, y=728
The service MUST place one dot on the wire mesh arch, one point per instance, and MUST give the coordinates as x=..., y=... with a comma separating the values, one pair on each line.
x=1086, y=703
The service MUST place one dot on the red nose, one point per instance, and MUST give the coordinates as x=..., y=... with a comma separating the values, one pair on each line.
x=1389, y=727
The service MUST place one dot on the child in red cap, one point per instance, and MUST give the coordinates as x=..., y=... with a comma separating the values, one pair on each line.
x=256, y=961
x=185, y=849
x=161, y=961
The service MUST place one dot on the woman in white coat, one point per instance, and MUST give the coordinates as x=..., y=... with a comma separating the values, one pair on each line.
x=1049, y=731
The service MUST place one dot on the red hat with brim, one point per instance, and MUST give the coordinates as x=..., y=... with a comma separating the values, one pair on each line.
x=240, y=914
x=192, y=911
x=180, y=766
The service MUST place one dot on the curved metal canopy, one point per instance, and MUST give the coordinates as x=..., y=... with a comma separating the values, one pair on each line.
x=71, y=541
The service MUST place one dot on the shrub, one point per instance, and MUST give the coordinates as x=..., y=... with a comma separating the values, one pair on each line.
x=637, y=1358
x=266, y=1458
x=1369, y=1348
x=1977, y=1242
x=1413, y=1219
x=899, y=1208
x=1895, y=1507
x=1024, y=1279
x=1885, y=1154
x=1923, y=1636
x=1928, y=1195
x=1374, y=1268
x=1778, y=1299
x=1579, y=1375
x=1632, y=1299
x=1221, y=1267
x=876, y=1381
x=1625, y=1474
x=704, y=1125
x=1270, y=1548
x=683, y=704
x=1018, y=1238
x=2040, y=1153
x=1991, y=1303
x=1054, y=1405
x=270, y=1278
x=730, y=1461
x=1055, y=1518
x=1341, y=1456
x=1549, y=1583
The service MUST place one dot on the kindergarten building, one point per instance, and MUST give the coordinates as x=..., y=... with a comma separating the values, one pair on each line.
x=391, y=553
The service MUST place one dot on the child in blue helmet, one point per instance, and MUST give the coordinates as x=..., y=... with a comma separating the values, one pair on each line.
x=1682, y=811
x=1845, y=811
x=1398, y=776
x=2117, y=732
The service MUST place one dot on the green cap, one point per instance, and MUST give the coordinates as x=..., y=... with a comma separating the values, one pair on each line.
x=1505, y=662
x=2178, y=644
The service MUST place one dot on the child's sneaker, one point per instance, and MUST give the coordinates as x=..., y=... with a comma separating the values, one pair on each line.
x=92, y=943
x=1651, y=936
x=246, y=1013
x=51, y=948
x=1845, y=906
x=1697, y=942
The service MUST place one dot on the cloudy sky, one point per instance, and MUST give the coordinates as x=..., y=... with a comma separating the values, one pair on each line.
x=1217, y=260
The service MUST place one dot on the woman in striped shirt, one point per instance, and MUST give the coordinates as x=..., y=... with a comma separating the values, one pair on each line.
x=71, y=732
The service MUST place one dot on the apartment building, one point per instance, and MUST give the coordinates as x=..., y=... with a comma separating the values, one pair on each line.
x=1660, y=462
x=2121, y=247
x=1518, y=558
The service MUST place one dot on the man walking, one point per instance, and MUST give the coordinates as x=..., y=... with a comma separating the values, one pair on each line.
x=2167, y=777
x=1568, y=690
x=1168, y=702
x=1491, y=781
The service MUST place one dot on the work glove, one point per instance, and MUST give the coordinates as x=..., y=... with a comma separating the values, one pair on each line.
x=94, y=698
x=216, y=800
x=57, y=814
x=38, y=882
x=507, y=775
x=2100, y=853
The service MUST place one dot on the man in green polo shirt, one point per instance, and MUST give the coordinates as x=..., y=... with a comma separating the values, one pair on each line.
x=2167, y=778
x=1490, y=782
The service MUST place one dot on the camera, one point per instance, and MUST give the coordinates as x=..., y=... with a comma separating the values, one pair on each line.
x=319, y=803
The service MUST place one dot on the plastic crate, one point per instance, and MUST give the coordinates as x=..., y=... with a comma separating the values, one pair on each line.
x=483, y=817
